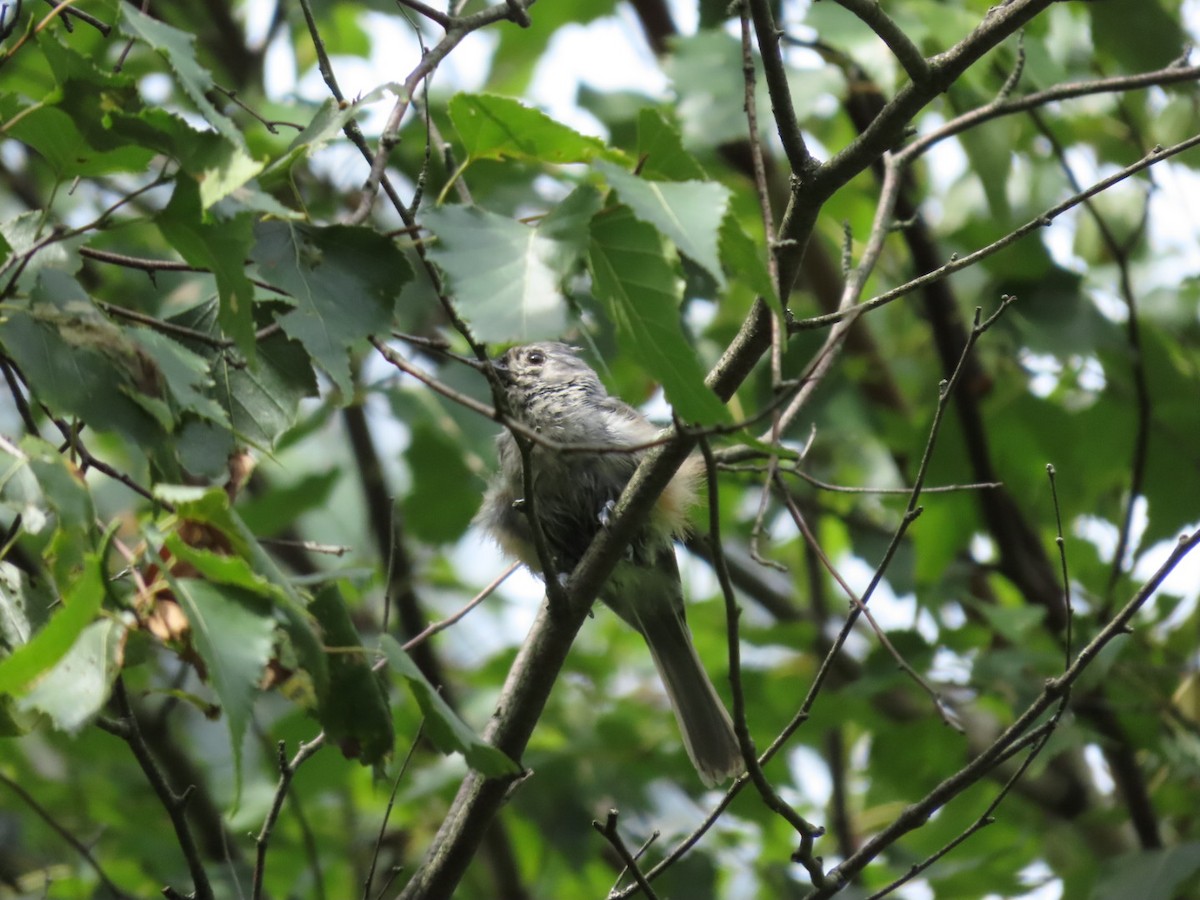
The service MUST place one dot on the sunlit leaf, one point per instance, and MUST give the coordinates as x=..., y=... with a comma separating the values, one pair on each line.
x=660, y=150
x=687, y=212
x=78, y=685
x=53, y=641
x=633, y=276
x=494, y=127
x=505, y=276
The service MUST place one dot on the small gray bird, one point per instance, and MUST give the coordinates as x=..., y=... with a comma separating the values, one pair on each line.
x=552, y=391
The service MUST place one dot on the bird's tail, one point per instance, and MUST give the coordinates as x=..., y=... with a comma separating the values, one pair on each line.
x=707, y=730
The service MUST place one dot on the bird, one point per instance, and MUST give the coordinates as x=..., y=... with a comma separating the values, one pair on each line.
x=552, y=392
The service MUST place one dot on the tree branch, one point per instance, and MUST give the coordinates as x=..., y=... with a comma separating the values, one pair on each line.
x=916, y=814
x=886, y=29
x=128, y=730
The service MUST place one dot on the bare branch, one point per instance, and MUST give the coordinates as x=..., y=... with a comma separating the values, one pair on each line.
x=906, y=52
x=458, y=29
x=1005, y=106
x=770, y=797
x=918, y=813
x=61, y=830
x=287, y=771
x=957, y=263
x=128, y=730
x=613, y=836
x=458, y=616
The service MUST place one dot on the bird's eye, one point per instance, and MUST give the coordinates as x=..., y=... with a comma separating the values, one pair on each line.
x=536, y=357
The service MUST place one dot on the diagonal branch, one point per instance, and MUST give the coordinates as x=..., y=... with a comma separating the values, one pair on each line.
x=917, y=814
x=906, y=52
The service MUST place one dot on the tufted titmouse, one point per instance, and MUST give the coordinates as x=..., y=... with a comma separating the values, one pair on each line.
x=553, y=392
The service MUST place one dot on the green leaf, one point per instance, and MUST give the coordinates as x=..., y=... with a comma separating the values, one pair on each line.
x=233, y=631
x=445, y=492
x=15, y=627
x=687, y=212
x=494, y=127
x=354, y=712
x=449, y=733
x=185, y=374
x=325, y=126
x=112, y=121
x=260, y=399
x=569, y=225
x=177, y=48
x=54, y=134
x=221, y=568
x=710, y=109
x=278, y=507
x=210, y=506
x=744, y=260
x=633, y=277
x=343, y=281
x=505, y=276
x=1142, y=35
x=80, y=605
x=84, y=367
x=219, y=246
x=62, y=485
x=78, y=686
x=988, y=148
x=1151, y=874
x=660, y=151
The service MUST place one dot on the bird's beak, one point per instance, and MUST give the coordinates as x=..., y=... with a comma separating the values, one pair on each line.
x=500, y=364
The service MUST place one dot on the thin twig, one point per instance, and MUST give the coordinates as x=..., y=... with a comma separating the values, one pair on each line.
x=459, y=29
x=287, y=771
x=1038, y=737
x=913, y=510
x=69, y=12
x=1119, y=251
x=779, y=88
x=856, y=280
x=351, y=128
x=412, y=748
x=946, y=714
x=1003, y=106
x=434, y=15
x=610, y=833
x=808, y=833
x=917, y=814
x=641, y=851
x=66, y=835
x=445, y=623
x=1062, y=556
x=1156, y=155
x=128, y=730
x=18, y=263
x=88, y=461
x=270, y=124
x=854, y=489
x=906, y=52
x=14, y=388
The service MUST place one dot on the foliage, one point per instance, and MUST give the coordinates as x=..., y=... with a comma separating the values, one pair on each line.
x=918, y=279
